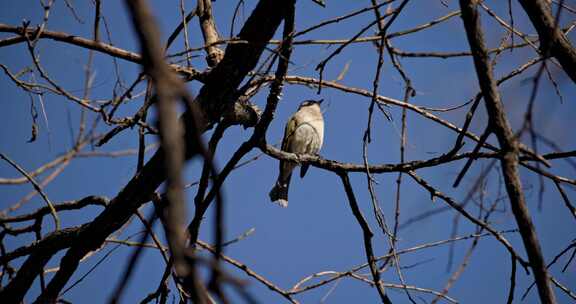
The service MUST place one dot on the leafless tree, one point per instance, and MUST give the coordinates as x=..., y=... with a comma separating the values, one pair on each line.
x=255, y=64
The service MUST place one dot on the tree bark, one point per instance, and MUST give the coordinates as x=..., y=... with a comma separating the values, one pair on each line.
x=509, y=147
x=552, y=41
x=215, y=96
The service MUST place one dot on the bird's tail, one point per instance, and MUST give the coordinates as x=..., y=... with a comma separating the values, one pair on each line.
x=279, y=194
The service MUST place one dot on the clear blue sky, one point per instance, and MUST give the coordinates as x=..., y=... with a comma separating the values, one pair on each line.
x=317, y=232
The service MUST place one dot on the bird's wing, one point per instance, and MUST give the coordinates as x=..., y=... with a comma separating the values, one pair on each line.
x=289, y=132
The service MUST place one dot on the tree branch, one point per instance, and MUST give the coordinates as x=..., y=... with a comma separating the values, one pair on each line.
x=552, y=40
x=509, y=146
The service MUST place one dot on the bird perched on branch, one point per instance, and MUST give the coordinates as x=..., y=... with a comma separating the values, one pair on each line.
x=303, y=134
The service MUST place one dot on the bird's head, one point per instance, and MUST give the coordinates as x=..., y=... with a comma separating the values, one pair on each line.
x=310, y=102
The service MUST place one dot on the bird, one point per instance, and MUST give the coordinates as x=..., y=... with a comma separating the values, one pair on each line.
x=304, y=134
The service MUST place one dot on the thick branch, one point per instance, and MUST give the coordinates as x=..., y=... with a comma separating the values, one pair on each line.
x=40, y=253
x=216, y=95
x=509, y=146
x=206, y=19
x=169, y=90
x=552, y=40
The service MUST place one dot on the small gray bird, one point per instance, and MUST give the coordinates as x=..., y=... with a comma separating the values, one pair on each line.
x=304, y=134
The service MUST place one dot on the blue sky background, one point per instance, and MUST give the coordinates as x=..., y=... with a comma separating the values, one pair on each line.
x=317, y=232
